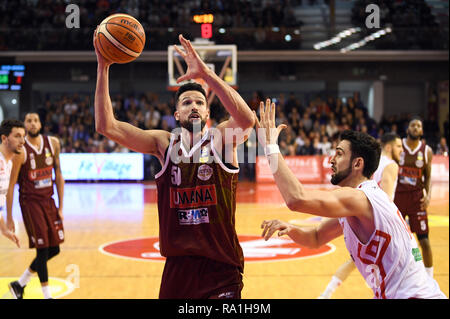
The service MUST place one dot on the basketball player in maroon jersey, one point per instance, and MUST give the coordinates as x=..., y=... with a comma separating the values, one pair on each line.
x=33, y=170
x=413, y=192
x=196, y=186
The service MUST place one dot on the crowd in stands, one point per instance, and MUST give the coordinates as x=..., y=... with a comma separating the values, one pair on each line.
x=251, y=24
x=41, y=24
x=313, y=128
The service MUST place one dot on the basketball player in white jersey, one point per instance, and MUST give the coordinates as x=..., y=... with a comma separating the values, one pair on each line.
x=12, y=133
x=377, y=237
x=386, y=177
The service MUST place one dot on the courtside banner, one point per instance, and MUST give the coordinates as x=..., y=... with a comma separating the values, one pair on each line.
x=317, y=169
x=308, y=169
x=102, y=166
x=439, y=168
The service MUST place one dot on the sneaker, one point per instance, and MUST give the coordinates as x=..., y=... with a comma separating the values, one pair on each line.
x=323, y=296
x=16, y=289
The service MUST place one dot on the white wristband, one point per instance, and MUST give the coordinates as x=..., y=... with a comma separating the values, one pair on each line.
x=272, y=149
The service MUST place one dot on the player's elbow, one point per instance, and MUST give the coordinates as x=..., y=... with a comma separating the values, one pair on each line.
x=247, y=122
x=294, y=203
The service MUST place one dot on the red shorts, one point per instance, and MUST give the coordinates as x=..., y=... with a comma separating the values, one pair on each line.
x=409, y=205
x=195, y=277
x=42, y=222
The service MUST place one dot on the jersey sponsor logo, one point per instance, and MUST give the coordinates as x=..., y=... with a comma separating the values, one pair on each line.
x=255, y=249
x=204, y=195
x=204, y=172
x=416, y=253
x=39, y=174
x=412, y=172
x=32, y=161
x=49, y=161
x=194, y=216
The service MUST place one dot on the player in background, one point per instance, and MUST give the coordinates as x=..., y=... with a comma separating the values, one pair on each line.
x=12, y=133
x=386, y=177
x=33, y=170
x=377, y=237
x=413, y=192
x=197, y=182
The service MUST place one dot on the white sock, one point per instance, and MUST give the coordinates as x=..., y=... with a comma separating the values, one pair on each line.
x=26, y=277
x=429, y=271
x=332, y=285
x=46, y=292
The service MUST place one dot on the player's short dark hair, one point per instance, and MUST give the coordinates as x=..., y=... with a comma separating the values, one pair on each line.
x=388, y=138
x=190, y=86
x=415, y=118
x=365, y=146
x=8, y=124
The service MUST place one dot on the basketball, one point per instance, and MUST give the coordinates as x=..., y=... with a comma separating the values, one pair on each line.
x=120, y=38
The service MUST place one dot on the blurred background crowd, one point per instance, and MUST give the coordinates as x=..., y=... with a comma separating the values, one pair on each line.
x=313, y=127
x=254, y=24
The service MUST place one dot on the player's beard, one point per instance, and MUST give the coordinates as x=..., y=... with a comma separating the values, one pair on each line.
x=188, y=125
x=413, y=137
x=33, y=135
x=339, y=177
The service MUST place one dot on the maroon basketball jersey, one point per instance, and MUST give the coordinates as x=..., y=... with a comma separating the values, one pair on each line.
x=197, y=204
x=411, y=168
x=35, y=176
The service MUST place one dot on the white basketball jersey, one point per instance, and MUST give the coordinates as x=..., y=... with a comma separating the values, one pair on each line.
x=384, y=161
x=390, y=262
x=5, y=172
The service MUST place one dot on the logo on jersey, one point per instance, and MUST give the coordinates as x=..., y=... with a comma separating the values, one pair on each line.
x=49, y=161
x=204, y=172
x=255, y=249
x=193, y=216
x=419, y=161
x=32, y=161
x=204, y=195
x=38, y=174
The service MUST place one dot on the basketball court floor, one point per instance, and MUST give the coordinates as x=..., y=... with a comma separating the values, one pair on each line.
x=111, y=248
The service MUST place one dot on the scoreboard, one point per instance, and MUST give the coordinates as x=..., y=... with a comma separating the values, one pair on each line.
x=11, y=77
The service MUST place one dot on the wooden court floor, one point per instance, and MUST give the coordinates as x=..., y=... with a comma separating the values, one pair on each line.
x=111, y=251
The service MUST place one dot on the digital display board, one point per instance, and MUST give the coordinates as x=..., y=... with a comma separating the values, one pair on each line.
x=11, y=77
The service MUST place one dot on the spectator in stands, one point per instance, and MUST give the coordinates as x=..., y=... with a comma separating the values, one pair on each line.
x=442, y=148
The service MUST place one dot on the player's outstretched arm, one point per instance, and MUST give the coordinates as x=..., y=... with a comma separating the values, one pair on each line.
x=144, y=141
x=241, y=115
x=342, y=202
x=308, y=237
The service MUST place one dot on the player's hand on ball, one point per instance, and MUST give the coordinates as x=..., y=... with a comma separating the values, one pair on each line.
x=100, y=59
x=265, y=126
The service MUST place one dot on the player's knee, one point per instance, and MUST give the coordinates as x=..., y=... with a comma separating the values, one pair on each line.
x=424, y=241
x=53, y=251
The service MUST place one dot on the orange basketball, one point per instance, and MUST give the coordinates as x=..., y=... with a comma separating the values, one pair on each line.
x=120, y=38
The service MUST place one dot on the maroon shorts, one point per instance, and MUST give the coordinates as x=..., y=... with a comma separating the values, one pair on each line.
x=195, y=277
x=409, y=205
x=42, y=222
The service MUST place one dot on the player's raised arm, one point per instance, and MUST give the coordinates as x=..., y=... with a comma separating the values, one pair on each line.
x=241, y=115
x=144, y=141
x=342, y=202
